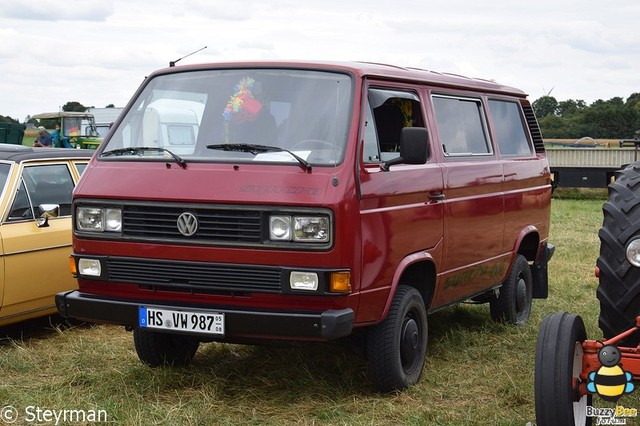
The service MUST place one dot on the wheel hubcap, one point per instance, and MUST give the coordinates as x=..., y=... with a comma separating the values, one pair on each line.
x=521, y=295
x=579, y=406
x=409, y=343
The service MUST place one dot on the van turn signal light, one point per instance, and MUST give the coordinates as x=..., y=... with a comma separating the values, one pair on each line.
x=340, y=282
x=72, y=264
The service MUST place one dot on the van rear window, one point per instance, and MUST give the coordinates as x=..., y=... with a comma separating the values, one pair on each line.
x=508, y=126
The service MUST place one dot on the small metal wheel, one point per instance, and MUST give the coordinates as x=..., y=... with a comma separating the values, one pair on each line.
x=557, y=371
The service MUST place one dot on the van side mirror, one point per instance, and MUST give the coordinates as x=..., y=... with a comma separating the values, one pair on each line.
x=414, y=147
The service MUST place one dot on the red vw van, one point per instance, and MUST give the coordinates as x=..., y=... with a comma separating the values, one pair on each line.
x=240, y=202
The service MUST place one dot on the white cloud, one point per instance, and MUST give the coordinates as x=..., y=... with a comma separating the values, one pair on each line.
x=52, y=10
x=98, y=52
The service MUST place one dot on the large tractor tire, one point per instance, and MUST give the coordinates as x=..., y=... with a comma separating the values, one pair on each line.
x=619, y=287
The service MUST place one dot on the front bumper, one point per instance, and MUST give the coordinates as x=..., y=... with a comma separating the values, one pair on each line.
x=239, y=323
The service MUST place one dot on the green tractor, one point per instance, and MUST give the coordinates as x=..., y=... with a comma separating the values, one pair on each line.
x=78, y=128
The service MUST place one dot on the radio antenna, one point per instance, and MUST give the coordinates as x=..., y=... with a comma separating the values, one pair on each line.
x=173, y=63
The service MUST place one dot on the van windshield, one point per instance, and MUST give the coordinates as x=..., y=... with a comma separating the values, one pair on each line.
x=304, y=112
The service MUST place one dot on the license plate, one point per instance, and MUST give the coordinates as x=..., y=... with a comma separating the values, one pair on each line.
x=194, y=322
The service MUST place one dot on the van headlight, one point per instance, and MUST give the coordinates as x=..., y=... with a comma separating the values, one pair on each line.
x=300, y=228
x=280, y=228
x=98, y=219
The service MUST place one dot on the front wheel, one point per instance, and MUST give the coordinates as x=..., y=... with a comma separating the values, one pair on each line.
x=557, y=371
x=156, y=349
x=397, y=347
x=513, y=305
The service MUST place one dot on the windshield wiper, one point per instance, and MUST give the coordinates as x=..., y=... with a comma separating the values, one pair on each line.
x=136, y=150
x=257, y=149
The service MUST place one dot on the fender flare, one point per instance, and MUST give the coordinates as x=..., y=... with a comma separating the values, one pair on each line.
x=400, y=270
x=539, y=270
x=524, y=233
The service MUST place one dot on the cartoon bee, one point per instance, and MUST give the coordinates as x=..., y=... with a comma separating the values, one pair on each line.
x=610, y=381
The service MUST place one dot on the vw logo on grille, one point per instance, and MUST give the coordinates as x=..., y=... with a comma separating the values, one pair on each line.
x=187, y=224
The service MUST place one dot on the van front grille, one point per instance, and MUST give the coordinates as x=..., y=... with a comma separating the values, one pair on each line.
x=195, y=276
x=215, y=225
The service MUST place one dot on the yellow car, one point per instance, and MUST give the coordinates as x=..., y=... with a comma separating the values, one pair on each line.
x=35, y=229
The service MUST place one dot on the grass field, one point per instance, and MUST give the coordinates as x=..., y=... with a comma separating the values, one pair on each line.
x=477, y=372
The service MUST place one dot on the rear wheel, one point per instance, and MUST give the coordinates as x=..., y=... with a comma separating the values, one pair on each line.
x=513, y=305
x=396, y=348
x=156, y=349
x=558, y=367
x=619, y=284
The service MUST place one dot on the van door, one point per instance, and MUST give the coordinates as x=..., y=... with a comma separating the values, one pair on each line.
x=474, y=259
x=401, y=213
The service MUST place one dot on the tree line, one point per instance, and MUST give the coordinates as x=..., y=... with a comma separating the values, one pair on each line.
x=71, y=106
x=574, y=119
x=570, y=119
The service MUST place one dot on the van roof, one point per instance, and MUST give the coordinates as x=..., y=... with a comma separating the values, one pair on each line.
x=365, y=69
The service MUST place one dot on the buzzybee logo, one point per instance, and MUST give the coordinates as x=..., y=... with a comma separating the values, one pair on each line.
x=610, y=381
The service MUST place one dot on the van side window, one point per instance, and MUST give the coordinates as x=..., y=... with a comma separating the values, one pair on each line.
x=462, y=126
x=371, y=152
x=509, y=129
x=388, y=112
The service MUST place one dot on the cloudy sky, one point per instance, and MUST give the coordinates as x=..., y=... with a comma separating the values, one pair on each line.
x=98, y=52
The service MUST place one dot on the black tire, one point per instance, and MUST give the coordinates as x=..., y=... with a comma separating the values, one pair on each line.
x=619, y=284
x=397, y=347
x=156, y=349
x=558, y=363
x=513, y=305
